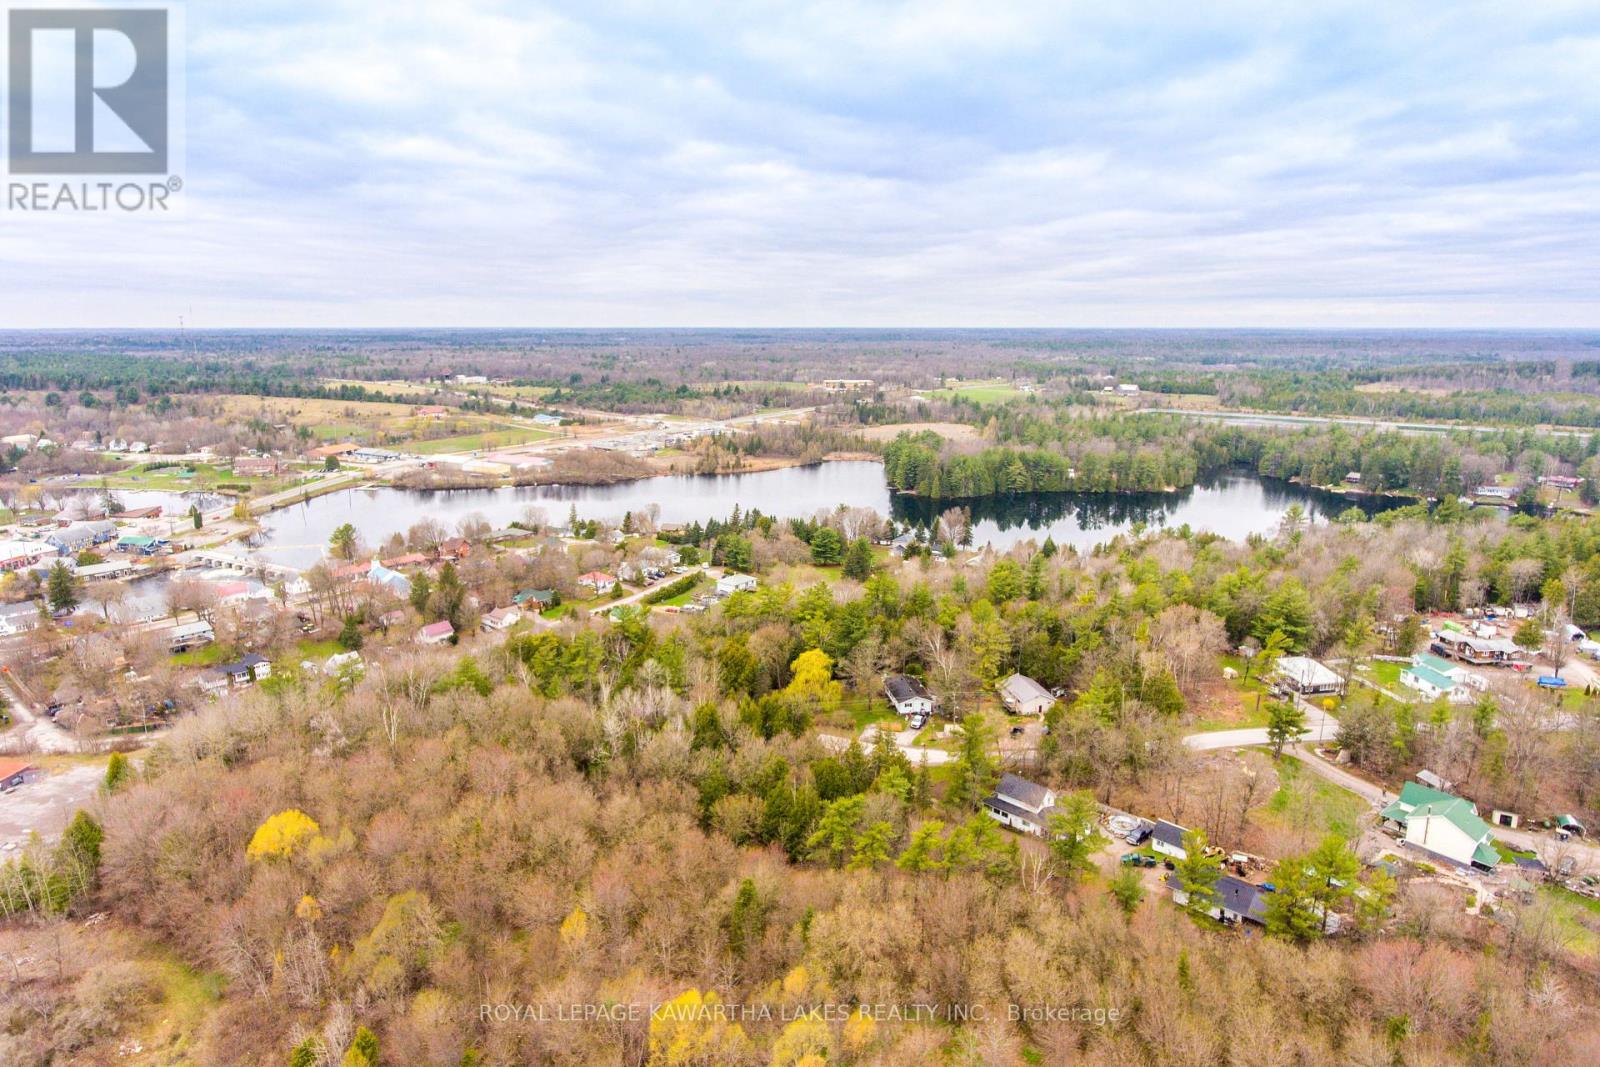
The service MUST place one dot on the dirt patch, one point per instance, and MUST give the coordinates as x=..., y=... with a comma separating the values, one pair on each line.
x=950, y=431
x=1219, y=700
x=45, y=805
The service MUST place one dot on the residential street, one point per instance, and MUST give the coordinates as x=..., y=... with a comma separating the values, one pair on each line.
x=1320, y=726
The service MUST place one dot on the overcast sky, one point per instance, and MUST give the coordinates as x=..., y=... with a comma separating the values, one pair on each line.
x=353, y=162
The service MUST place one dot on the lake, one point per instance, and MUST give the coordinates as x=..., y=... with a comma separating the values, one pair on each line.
x=1233, y=506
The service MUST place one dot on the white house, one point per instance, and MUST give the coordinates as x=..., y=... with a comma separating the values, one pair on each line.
x=502, y=618
x=1021, y=804
x=1444, y=826
x=1237, y=900
x=730, y=584
x=1306, y=676
x=599, y=581
x=436, y=633
x=908, y=695
x=1022, y=695
x=190, y=635
x=1433, y=678
x=1167, y=839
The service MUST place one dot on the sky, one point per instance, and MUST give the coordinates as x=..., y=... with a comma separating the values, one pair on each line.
x=934, y=163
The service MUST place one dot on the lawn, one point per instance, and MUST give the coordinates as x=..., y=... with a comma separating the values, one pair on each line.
x=990, y=392
x=1510, y=854
x=1330, y=809
x=1384, y=673
x=681, y=599
x=208, y=656
x=181, y=478
x=1577, y=917
x=479, y=442
x=317, y=650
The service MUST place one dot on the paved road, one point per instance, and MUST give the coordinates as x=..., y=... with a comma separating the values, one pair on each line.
x=933, y=757
x=1320, y=726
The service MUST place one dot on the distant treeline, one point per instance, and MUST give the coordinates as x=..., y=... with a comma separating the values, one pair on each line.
x=131, y=377
x=1151, y=453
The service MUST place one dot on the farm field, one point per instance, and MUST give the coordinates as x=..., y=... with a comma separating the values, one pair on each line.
x=989, y=392
x=478, y=442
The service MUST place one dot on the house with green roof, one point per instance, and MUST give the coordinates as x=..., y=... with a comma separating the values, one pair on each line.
x=1444, y=826
x=1434, y=677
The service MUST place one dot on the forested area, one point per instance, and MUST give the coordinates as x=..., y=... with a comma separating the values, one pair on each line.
x=646, y=811
x=1042, y=452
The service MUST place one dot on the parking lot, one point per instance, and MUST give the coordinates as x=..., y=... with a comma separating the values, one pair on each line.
x=45, y=805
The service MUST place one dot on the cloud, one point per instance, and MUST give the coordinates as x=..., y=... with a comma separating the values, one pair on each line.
x=948, y=163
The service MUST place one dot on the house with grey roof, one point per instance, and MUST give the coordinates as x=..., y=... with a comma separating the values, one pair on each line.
x=908, y=695
x=1020, y=804
x=1167, y=839
x=1022, y=695
x=1236, y=901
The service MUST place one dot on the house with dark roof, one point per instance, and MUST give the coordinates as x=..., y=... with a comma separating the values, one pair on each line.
x=1444, y=826
x=1167, y=839
x=908, y=695
x=245, y=670
x=538, y=598
x=1021, y=804
x=1237, y=900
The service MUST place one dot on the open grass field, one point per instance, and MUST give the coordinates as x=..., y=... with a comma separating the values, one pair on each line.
x=988, y=392
x=302, y=411
x=485, y=440
x=393, y=386
x=515, y=392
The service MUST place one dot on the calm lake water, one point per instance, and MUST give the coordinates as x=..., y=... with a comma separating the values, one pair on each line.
x=1233, y=506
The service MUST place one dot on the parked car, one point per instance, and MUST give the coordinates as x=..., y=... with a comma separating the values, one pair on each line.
x=917, y=722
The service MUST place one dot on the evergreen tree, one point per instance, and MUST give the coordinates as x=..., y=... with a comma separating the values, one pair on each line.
x=975, y=771
x=827, y=547
x=118, y=772
x=62, y=588
x=1073, y=834
x=1198, y=873
x=858, y=560
x=1285, y=723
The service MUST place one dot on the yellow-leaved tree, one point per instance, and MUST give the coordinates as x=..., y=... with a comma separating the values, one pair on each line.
x=694, y=1030
x=803, y=1042
x=812, y=679
x=859, y=1030
x=282, y=834
x=575, y=928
